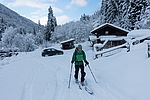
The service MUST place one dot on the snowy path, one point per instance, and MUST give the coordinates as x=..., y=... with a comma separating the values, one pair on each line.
x=32, y=77
x=49, y=81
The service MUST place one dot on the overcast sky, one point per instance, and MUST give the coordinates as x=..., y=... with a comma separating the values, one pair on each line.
x=64, y=10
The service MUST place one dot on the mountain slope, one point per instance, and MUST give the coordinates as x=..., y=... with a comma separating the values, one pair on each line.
x=11, y=18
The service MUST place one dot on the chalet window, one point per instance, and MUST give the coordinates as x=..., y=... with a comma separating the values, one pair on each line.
x=106, y=32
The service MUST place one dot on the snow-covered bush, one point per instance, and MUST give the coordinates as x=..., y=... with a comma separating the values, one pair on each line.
x=11, y=38
x=29, y=43
x=39, y=38
x=8, y=37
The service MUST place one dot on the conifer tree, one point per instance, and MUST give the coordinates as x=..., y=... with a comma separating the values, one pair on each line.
x=145, y=19
x=136, y=9
x=51, y=24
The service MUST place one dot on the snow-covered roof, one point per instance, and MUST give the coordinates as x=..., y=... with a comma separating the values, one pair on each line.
x=67, y=40
x=139, y=33
x=109, y=25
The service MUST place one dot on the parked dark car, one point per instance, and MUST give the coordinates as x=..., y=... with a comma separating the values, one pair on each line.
x=51, y=52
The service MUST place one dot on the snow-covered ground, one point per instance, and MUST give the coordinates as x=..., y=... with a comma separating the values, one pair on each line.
x=29, y=76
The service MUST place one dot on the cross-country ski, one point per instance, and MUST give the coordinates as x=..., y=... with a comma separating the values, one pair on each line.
x=84, y=87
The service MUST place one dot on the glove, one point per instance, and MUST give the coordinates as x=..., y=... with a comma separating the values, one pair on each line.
x=72, y=62
x=86, y=63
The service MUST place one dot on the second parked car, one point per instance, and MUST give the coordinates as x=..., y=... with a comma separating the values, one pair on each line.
x=51, y=52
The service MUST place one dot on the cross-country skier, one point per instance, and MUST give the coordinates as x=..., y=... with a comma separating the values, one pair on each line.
x=79, y=58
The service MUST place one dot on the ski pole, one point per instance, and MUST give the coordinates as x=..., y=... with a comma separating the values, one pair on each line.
x=70, y=76
x=92, y=73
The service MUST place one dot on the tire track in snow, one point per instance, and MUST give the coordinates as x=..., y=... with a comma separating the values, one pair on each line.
x=28, y=90
x=47, y=94
x=61, y=83
x=56, y=86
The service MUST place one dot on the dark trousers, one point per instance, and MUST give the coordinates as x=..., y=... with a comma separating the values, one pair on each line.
x=77, y=67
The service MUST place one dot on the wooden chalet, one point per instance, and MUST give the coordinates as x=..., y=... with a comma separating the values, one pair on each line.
x=109, y=29
x=114, y=35
x=68, y=44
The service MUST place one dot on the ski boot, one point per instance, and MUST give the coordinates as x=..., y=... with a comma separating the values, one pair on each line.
x=82, y=83
x=76, y=81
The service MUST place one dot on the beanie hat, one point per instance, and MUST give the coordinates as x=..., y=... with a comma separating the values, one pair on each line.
x=79, y=46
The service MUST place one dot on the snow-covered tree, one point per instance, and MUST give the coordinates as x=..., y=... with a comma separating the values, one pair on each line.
x=12, y=38
x=136, y=9
x=2, y=27
x=39, y=38
x=51, y=24
x=110, y=11
x=77, y=30
x=22, y=31
x=8, y=37
x=103, y=10
x=29, y=43
x=39, y=26
x=123, y=13
x=145, y=19
x=85, y=18
x=39, y=23
x=34, y=31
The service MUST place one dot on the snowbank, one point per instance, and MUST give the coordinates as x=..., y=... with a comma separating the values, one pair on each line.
x=138, y=33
